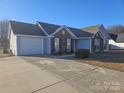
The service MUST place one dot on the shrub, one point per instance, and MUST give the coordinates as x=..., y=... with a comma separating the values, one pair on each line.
x=82, y=53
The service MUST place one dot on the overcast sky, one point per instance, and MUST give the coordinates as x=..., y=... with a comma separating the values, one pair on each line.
x=75, y=13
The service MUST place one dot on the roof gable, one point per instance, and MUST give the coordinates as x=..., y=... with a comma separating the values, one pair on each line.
x=65, y=28
x=25, y=28
x=51, y=28
x=92, y=29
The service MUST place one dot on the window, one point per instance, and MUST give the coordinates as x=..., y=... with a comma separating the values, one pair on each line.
x=68, y=45
x=57, y=46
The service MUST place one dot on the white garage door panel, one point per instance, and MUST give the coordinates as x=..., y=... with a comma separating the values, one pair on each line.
x=31, y=45
x=83, y=44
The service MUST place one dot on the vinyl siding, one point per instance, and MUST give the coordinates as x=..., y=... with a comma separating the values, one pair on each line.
x=13, y=43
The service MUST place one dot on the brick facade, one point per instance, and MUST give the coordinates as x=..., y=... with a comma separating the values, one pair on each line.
x=63, y=35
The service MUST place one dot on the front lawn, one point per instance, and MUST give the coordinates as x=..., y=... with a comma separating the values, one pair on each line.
x=111, y=60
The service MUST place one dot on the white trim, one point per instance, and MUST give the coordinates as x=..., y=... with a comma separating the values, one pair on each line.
x=30, y=36
x=61, y=29
x=51, y=36
x=42, y=28
x=49, y=39
x=84, y=38
x=70, y=32
x=9, y=30
x=98, y=33
x=95, y=34
x=19, y=45
x=42, y=46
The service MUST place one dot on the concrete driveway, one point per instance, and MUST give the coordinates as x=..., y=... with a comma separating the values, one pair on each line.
x=48, y=75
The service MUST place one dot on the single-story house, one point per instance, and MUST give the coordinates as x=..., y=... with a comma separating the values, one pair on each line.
x=117, y=41
x=100, y=37
x=45, y=38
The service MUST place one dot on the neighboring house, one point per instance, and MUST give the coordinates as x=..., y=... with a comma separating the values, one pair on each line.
x=100, y=37
x=45, y=38
x=117, y=41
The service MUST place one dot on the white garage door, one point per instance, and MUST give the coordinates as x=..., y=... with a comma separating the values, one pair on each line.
x=31, y=45
x=83, y=44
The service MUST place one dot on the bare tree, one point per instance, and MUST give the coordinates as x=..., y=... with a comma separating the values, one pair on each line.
x=4, y=25
x=116, y=29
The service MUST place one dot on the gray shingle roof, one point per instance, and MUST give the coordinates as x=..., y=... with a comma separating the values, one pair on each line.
x=26, y=29
x=51, y=28
x=80, y=33
x=92, y=29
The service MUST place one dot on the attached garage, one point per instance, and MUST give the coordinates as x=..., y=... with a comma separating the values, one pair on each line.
x=83, y=44
x=30, y=45
x=26, y=39
x=33, y=39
